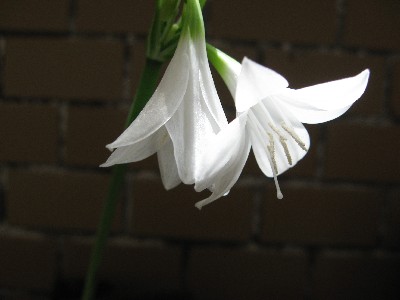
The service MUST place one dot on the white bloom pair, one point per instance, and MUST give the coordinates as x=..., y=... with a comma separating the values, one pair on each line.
x=185, y=124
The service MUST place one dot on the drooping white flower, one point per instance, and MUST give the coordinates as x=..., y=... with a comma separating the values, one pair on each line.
x=269, y=120
x=182, y=113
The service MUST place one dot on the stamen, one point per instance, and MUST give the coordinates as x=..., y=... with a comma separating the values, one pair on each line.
x=294, y=136
x=282, y=140
x=271, y=150
x=286, y=149
x=274, y=129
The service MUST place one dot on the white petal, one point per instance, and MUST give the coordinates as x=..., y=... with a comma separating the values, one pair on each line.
x=222, y=151
x=164, y=102
x=190, y=124
x=198, y=117
x=210, y=96
x=330, y=96
x=168, y=170
x=230, y=175
x=310, y=114
x=139, y=150
x=256, y=82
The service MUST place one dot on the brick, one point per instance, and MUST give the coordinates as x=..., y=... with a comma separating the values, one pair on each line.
x=305, y=68
x=109, y=16
x=27, y=261
x=133, y=267
x=88, y=132
x=65, y=68
x=161, y=213
x=46, y=15
x=57, y=201
x=28, y=133
x=362, y=152
x=217, y=273
x=391, y=236
x=322, y=216
x=377, y=33
x=271, y=20
x=22, y=296
x=395, y=95
x=357, y=276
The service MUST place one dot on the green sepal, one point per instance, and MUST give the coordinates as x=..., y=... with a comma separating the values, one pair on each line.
x=193, y=19
x=164, y=29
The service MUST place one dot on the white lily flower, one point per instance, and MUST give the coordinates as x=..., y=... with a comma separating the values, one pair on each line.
x=182, y=113
x=270, y=117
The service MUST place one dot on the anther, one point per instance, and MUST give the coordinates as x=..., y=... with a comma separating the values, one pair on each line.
x=271, y=149
x=286, y=149
x=282, y=140
x=294, y=136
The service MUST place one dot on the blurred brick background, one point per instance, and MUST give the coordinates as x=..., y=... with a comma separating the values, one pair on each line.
x=68, y=70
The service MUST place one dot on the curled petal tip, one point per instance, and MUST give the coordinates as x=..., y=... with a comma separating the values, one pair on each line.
x=365, y=74
x=199, y=205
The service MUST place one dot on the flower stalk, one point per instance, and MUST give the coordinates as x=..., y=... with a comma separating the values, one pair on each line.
x=147, y=86
x=161, y=45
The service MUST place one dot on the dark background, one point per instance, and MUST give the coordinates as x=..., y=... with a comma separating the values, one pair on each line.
x=68, y=69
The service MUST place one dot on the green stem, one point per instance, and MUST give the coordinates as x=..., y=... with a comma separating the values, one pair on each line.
x=147, y=85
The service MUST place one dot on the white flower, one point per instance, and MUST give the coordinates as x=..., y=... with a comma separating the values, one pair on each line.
x=182, y=113
x=269, y=119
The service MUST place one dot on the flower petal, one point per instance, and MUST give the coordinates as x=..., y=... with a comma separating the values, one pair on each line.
x=196, y=119
x=207, y=87
x=222, y=152
x=190, y=125
x=230, y=174
x=164, y=102
x=167, y=164
x=256, y=82
x=309, y=114
x=139, y=150
x=330, y=96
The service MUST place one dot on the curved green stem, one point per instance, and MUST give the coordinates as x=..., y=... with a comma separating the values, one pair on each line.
x=147, y=85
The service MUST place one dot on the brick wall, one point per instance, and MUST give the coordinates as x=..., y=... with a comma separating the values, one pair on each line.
x=68, y=70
